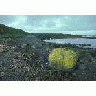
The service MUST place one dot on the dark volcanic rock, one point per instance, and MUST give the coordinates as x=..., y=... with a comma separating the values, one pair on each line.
x=86, y=70
x=27, y=60
x=23, y=62
x=31, y=42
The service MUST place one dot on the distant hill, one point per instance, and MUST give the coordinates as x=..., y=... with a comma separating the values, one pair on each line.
x=44, y=36
x=9, y=32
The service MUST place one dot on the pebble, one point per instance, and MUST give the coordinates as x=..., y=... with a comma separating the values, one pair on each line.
x=2, y=73
x=74, y=74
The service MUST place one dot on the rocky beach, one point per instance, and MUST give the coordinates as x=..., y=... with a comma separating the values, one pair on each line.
x=26, y=59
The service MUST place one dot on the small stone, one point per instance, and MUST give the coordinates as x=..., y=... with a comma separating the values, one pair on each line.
x=83, y=67
x=74, y=74
x=2, y=73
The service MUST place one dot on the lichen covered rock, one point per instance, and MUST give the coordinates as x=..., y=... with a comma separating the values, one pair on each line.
x=62, y=58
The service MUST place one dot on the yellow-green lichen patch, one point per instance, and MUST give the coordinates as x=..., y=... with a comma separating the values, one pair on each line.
x=62, y=57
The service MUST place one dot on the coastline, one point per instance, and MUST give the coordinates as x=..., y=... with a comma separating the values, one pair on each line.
x=20, y=61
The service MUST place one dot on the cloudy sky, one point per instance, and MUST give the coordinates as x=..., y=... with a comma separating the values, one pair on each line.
x=67, y=24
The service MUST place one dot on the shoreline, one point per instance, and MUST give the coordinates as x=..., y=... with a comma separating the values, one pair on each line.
x=29, y=62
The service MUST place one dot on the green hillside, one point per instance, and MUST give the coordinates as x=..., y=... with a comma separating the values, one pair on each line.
x=9, y=32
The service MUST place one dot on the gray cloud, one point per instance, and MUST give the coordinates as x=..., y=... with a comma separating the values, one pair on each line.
x=51, y=23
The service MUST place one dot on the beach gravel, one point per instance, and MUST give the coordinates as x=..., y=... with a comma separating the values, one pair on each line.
x=26, y=59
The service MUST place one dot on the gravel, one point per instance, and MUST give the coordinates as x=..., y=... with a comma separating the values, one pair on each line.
x=26, y=59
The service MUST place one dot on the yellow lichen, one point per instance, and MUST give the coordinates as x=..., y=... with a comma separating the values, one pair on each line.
x=63, y=57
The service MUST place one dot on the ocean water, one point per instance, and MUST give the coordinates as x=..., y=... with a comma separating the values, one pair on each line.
x=74, y=41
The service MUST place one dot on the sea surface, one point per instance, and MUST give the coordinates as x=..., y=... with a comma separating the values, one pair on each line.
x=74, y=41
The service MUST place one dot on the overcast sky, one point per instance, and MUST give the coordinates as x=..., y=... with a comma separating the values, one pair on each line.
x=67, y=24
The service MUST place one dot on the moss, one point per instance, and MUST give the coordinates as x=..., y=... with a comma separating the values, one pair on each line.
x=62, y=58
